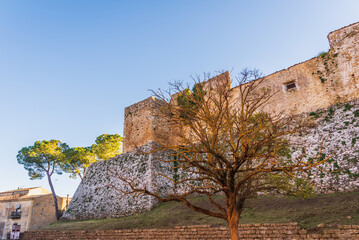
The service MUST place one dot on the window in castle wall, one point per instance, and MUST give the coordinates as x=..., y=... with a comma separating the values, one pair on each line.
x=290, y=86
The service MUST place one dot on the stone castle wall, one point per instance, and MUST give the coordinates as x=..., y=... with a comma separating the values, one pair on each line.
x=319, y=83
x=142, y=125
x=101, y=192
x=100, y=195
x=335, y=134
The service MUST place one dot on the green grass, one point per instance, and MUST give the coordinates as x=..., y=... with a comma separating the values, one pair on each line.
x=331, y=209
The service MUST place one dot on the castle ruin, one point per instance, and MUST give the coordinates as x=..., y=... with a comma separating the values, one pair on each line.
x=326, y=86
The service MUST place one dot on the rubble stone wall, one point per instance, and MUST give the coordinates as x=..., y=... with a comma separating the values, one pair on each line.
x=335, y=133
x=101, y=193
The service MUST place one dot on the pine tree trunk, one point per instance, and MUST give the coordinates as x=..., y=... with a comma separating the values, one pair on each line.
x=54, y=197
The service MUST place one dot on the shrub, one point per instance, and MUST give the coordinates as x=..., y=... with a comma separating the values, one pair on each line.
x=322, y=54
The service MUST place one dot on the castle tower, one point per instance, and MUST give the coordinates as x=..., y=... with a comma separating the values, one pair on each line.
x=142, y=121
x=142, y=124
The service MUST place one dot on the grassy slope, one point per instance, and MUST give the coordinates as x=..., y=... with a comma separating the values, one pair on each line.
x=327, y=209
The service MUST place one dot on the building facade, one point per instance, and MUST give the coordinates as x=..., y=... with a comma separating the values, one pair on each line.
x=31, y=208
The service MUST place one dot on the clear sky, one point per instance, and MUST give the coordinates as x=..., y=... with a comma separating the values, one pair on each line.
x=68, y=68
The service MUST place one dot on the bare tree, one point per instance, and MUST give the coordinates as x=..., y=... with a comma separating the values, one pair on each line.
x=225, y=144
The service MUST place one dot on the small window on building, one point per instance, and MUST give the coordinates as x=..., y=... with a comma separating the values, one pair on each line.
x=17, y=213
x=290, y=86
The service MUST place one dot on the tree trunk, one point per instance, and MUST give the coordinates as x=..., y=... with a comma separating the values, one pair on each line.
x=54, y=197
x=233, y=219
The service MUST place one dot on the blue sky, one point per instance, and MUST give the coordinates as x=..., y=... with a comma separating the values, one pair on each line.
x=68, y=68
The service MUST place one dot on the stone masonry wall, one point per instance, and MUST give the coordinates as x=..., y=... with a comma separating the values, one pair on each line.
x=334, y=134
x=142, y=125
x=138, y=124
x=320, y=82
x=97, y=196
x=43, y=210
x=101, y=192
x=255, y=231
x=345, y=42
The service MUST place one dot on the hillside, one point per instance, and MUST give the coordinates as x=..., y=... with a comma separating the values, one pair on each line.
x=330, y=209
